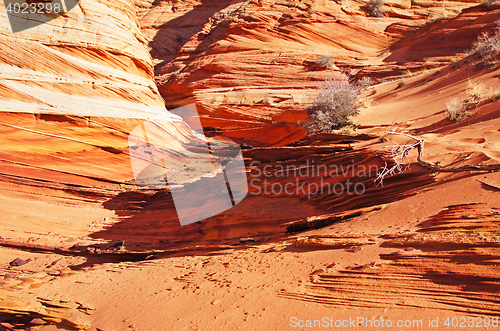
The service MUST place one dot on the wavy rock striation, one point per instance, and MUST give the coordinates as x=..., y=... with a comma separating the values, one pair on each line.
x=453, y=268
x=75, y=88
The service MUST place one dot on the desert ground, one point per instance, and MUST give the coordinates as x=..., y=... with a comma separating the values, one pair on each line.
x=83, y=246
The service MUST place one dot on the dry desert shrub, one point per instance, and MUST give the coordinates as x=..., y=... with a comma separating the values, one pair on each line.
x=365, y=83
x=494, y=93
x=366, y=102
x=324, y=61
x=487, y=45
x=488, y=3
x=347, y=131
x=475, y=91
x=336, y=102
x=268, y=100
x=375, y=8
x=456, y=110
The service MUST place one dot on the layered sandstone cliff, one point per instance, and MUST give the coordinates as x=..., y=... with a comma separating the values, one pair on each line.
x=84, y=247
x=252, y=67
x=91, y=61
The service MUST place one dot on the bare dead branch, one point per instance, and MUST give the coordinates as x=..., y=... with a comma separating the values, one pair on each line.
x=400, y=152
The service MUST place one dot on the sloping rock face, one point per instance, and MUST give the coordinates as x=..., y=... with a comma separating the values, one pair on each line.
x=91, y=61
x=420, y=45
x=460, y=267
x=74, y=89
x=445, y=38
x=251, y=65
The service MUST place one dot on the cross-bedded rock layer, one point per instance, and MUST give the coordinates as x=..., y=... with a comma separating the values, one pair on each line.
x=73, y=90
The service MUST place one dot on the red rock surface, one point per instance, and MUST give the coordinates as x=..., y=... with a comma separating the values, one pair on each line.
x=100, y=253
x=445, y=38
x=90, y=62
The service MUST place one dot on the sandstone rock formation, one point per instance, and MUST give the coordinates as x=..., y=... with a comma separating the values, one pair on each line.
x=90, y=62
x=107, y=254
